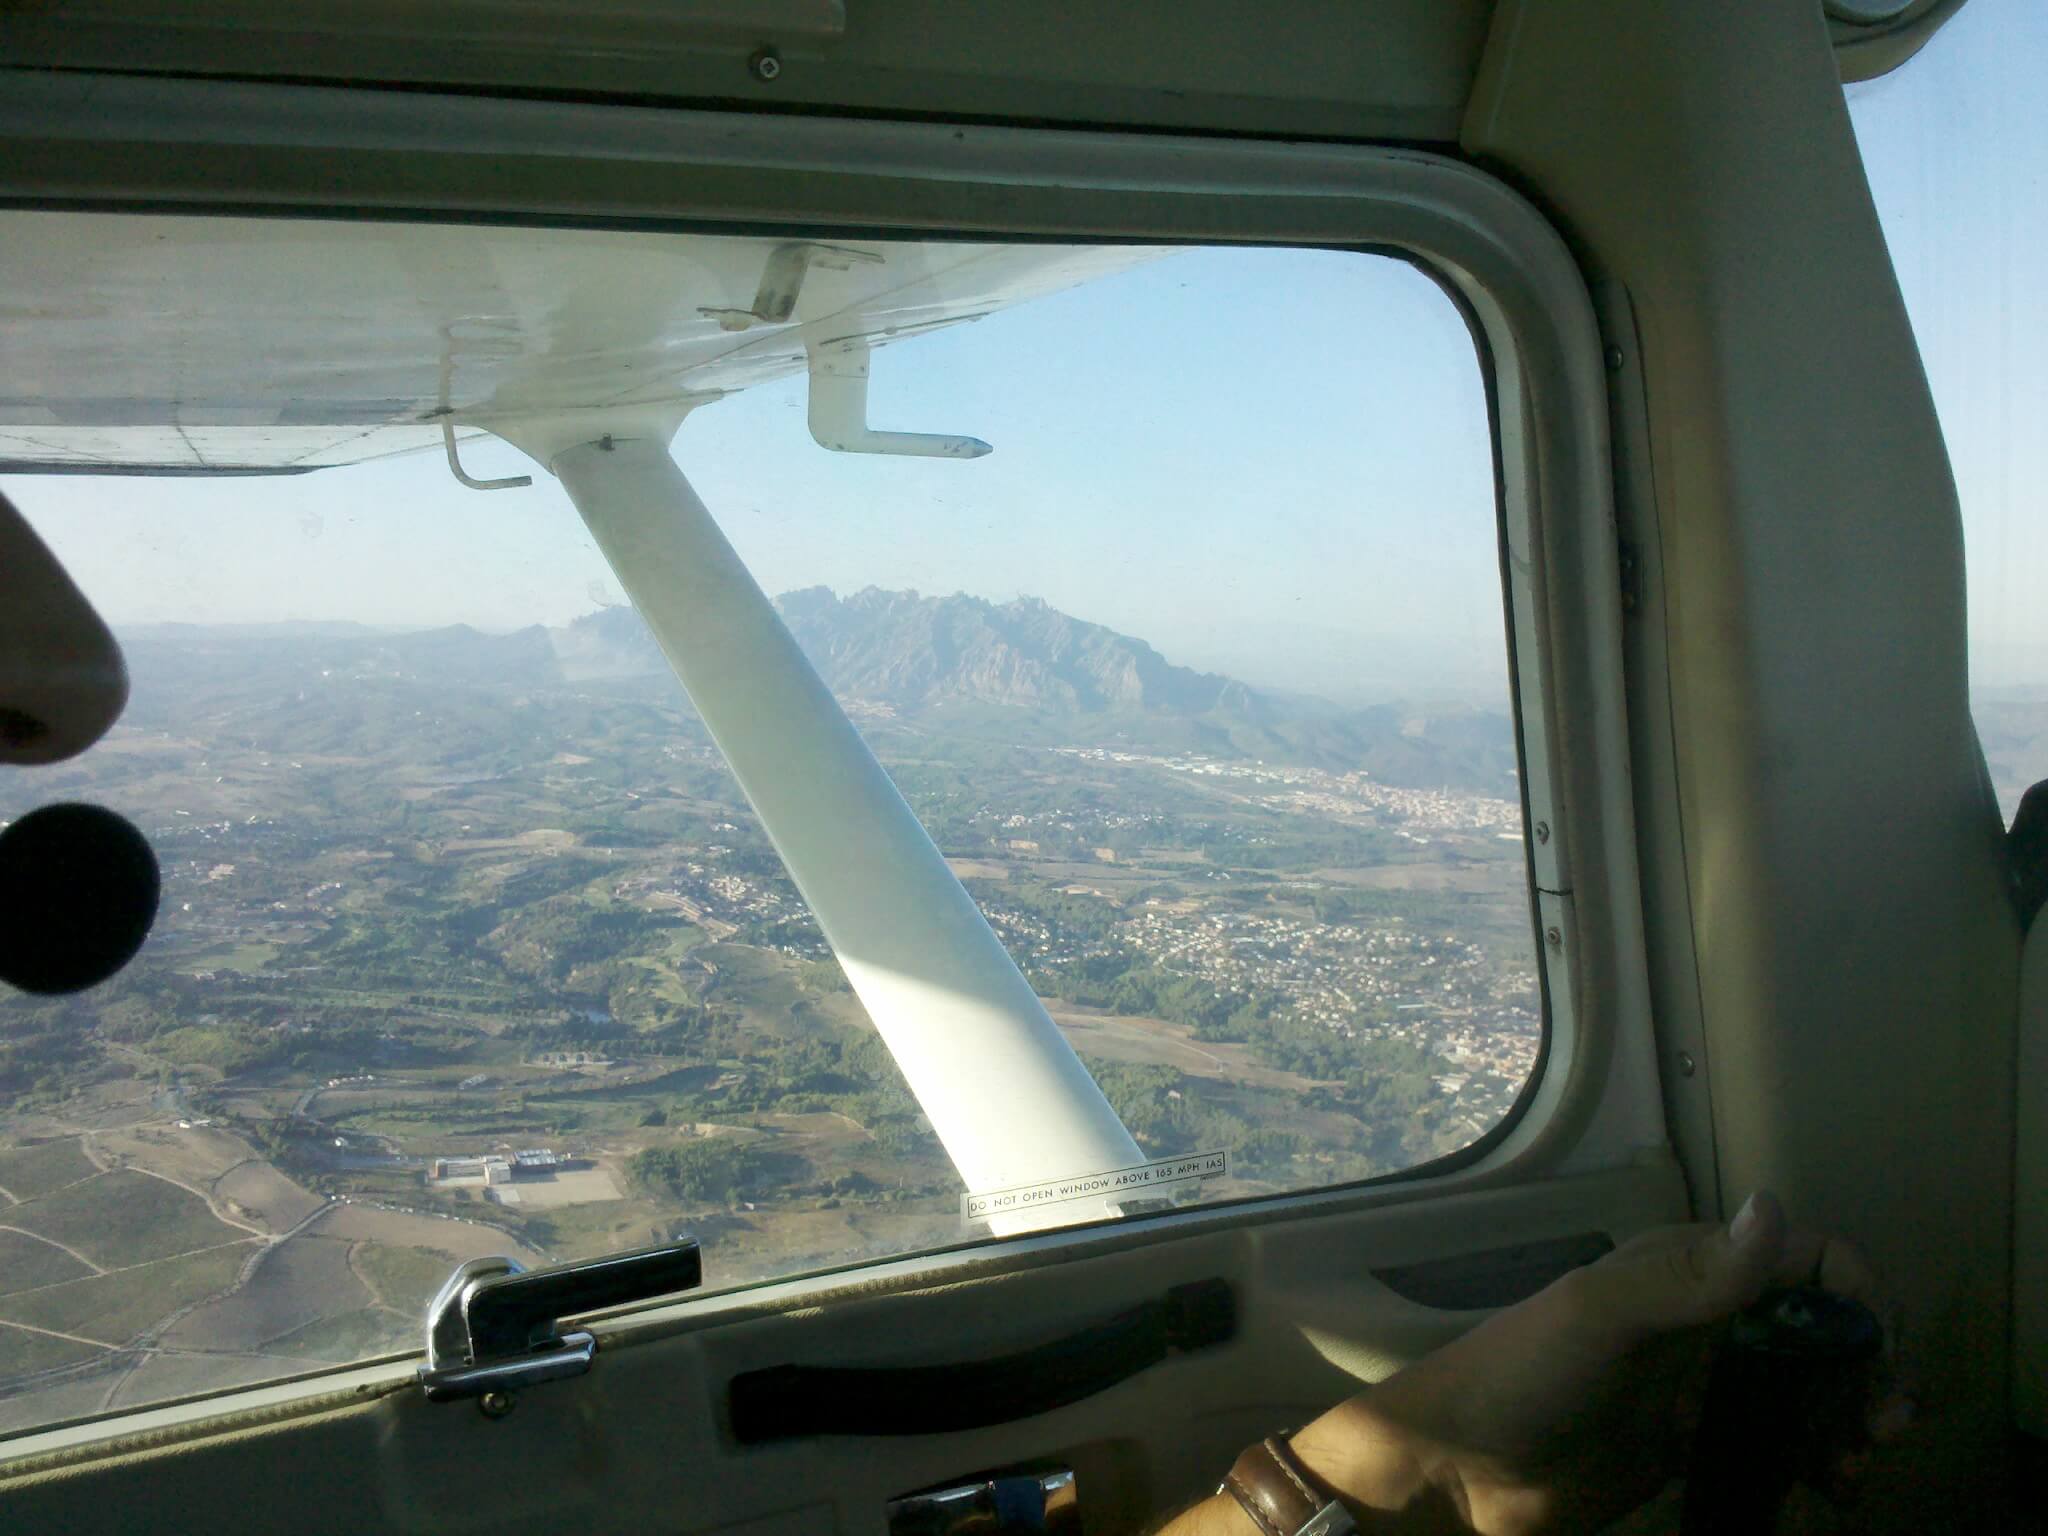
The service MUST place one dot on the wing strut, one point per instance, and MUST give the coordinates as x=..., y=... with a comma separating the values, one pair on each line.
x=1007, y=1096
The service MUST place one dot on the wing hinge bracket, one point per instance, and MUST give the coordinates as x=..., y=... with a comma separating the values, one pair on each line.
x=782, y=282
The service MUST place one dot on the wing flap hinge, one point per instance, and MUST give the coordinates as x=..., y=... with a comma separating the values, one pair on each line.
x=782, y=282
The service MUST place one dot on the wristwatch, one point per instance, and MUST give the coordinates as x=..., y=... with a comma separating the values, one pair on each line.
x=1282, y=1496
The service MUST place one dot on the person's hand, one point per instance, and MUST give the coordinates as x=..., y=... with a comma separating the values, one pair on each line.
x=1562, y=1413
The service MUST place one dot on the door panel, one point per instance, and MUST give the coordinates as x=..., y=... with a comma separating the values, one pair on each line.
x=644, y=1442
x=2030, y=1193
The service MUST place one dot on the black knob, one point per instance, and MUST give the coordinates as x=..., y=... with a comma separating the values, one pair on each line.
x=78, y=892
x=1790, y=1387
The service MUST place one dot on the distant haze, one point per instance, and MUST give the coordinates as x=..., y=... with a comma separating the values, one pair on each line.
x=1017, y=674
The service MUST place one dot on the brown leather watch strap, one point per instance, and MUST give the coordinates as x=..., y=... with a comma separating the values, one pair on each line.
x=1282, y=1497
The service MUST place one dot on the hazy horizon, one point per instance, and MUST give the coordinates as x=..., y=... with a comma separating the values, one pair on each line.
x=1398, y=687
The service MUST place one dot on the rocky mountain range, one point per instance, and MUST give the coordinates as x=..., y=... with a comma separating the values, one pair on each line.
x=913, y=652
x=1020, y=671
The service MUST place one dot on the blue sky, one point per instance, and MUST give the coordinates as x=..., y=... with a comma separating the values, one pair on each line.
x=1956, y=148
x=1270, y=463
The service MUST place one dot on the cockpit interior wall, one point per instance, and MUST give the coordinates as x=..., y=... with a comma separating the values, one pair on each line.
x=1215, y=66
x=1222, y=67
x=1856, y=955
x=1840, y=931
x=2030, y=1194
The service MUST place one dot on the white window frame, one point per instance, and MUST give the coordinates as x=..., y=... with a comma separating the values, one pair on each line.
x=131, y=143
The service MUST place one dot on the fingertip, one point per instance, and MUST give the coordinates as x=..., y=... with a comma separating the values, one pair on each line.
x=1744, y=1224
x=1756, y=1239
x=1810, y=1258
x=1760, y=1221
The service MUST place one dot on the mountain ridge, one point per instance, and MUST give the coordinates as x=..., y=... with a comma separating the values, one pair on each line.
x=1021, y=672
x=910, y=651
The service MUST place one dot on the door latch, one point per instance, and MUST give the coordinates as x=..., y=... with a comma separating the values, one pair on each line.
x=494, y=1326
x=1002, y=1505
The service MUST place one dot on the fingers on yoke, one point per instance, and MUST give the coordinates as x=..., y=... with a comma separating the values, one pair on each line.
x=1811, y=1258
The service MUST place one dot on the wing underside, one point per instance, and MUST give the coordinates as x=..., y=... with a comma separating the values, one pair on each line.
x=174, y=344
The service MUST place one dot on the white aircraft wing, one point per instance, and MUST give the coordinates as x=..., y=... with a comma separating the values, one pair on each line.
x=210, y=345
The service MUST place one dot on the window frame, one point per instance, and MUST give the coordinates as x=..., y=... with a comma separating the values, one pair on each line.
x=1593, y=1103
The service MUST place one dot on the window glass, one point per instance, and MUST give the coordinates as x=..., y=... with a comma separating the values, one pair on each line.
x=1956, y=147
x=471, y=944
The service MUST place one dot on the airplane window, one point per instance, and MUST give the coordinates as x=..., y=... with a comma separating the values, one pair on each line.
x=1954, y=147
x=471, y=941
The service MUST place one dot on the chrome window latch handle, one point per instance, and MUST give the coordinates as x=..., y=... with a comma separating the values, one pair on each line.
x=493, y=1328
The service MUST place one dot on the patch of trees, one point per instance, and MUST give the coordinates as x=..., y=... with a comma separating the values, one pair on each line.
x=1168, y=1112
x=823, y=976
x=1123, y=982
x=717, y=1168
x=1331, y=848
x=800, y=933
x=884, y=1103
x=1073, y=914
x=551, y=940
x=48, y=1048
x=852, y=1074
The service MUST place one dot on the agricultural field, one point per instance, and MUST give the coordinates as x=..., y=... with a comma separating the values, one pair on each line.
x=291, y=1284
x=125, y=1217
x=30, y=1172
x=24, y=1353
x=113, y=1309
x=29, y=1263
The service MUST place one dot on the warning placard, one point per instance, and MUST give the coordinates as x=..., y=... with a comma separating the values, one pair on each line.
x=1135, y=1182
